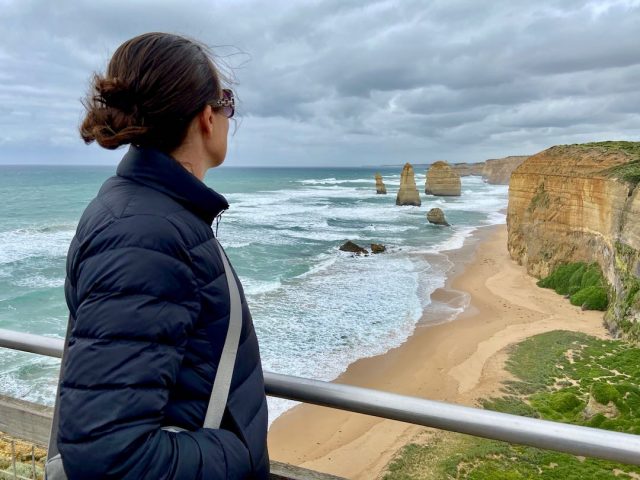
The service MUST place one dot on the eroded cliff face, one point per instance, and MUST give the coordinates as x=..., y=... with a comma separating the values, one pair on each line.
x=466, y=169
x=497, y=171
x=581, y=203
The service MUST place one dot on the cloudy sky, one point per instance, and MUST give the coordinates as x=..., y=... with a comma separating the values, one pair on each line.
x=339, y=82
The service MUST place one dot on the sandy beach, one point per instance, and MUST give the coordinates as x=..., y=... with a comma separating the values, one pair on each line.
x=457, y=361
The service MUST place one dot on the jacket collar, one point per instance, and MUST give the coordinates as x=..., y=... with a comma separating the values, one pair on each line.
x=164, y=173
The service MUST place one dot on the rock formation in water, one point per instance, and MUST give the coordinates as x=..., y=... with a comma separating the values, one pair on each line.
x=495, y=171
x=574, y=203
x=442, y=180
x=378, y=248
x=408, y=193
x=436, y=216
x=351, y=247
x=380, y=188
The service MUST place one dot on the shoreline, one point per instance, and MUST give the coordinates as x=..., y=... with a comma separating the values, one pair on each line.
x=459, y=360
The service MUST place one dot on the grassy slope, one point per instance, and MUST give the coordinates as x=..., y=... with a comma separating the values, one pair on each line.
x=629, y=172
x=632, y=148
x=558, y=374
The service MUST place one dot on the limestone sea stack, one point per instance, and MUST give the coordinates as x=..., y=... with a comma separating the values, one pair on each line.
x=581, y=203
x=436, y=216
x=380, y=188
x=442, y=180
x=408, y=192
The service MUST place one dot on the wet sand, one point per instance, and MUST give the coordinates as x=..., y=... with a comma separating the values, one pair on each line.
x=457, y=361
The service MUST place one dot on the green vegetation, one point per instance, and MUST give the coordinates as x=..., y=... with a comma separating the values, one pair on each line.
x=628, y=172
x=604, y=393
x=625, y=257
x=562, y=376
x=511, y=404
x=632, y=148
x=628, y=301
x=584, y=284
x=591, y=298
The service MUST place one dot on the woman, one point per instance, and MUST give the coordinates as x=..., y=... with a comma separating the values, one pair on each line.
x=146, y=286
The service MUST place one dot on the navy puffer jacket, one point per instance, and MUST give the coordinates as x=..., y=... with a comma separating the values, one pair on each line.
x=149, y=305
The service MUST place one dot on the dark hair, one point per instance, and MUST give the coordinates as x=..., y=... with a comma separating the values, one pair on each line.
x=155, y=84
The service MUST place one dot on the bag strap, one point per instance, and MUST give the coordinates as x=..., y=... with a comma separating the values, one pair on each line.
x=52, y=450
x=222, y=382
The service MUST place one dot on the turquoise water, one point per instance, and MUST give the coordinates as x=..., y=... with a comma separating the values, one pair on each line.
x=315, y=308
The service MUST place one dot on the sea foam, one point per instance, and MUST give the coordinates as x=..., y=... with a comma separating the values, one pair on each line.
x=315, y=309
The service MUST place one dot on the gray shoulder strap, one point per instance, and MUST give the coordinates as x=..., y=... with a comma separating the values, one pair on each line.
x=222, y=382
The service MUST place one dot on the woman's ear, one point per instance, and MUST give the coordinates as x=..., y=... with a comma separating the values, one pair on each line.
x=207, y=119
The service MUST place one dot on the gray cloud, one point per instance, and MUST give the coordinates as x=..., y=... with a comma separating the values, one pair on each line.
x=342, y=82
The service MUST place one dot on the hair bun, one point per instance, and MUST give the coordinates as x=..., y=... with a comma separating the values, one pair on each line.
x=116, y=94
x=113, y=118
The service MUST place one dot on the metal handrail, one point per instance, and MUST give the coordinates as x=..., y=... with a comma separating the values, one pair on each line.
x=574, y=439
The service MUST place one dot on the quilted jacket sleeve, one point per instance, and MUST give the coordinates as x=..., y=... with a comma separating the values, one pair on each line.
x=136, y=301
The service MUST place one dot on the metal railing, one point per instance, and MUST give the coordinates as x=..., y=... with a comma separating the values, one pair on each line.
x=577, y=440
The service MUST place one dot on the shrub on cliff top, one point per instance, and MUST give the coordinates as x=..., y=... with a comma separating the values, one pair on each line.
x=627, y=172
x=632, y=148
x=584, y=283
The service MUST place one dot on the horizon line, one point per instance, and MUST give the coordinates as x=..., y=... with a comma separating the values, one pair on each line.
x=226, y=166
x=384, y=165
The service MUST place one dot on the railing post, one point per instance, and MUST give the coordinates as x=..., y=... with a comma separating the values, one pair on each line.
x=33, y=462
x=13, y=458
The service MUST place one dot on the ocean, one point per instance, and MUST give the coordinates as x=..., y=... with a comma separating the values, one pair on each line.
x=315, y=309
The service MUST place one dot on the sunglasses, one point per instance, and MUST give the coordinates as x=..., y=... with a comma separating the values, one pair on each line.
x=227, y=103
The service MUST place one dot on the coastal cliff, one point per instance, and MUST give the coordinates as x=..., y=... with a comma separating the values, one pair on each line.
x=497, y=171
x=466, y=169
x=573, y=203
